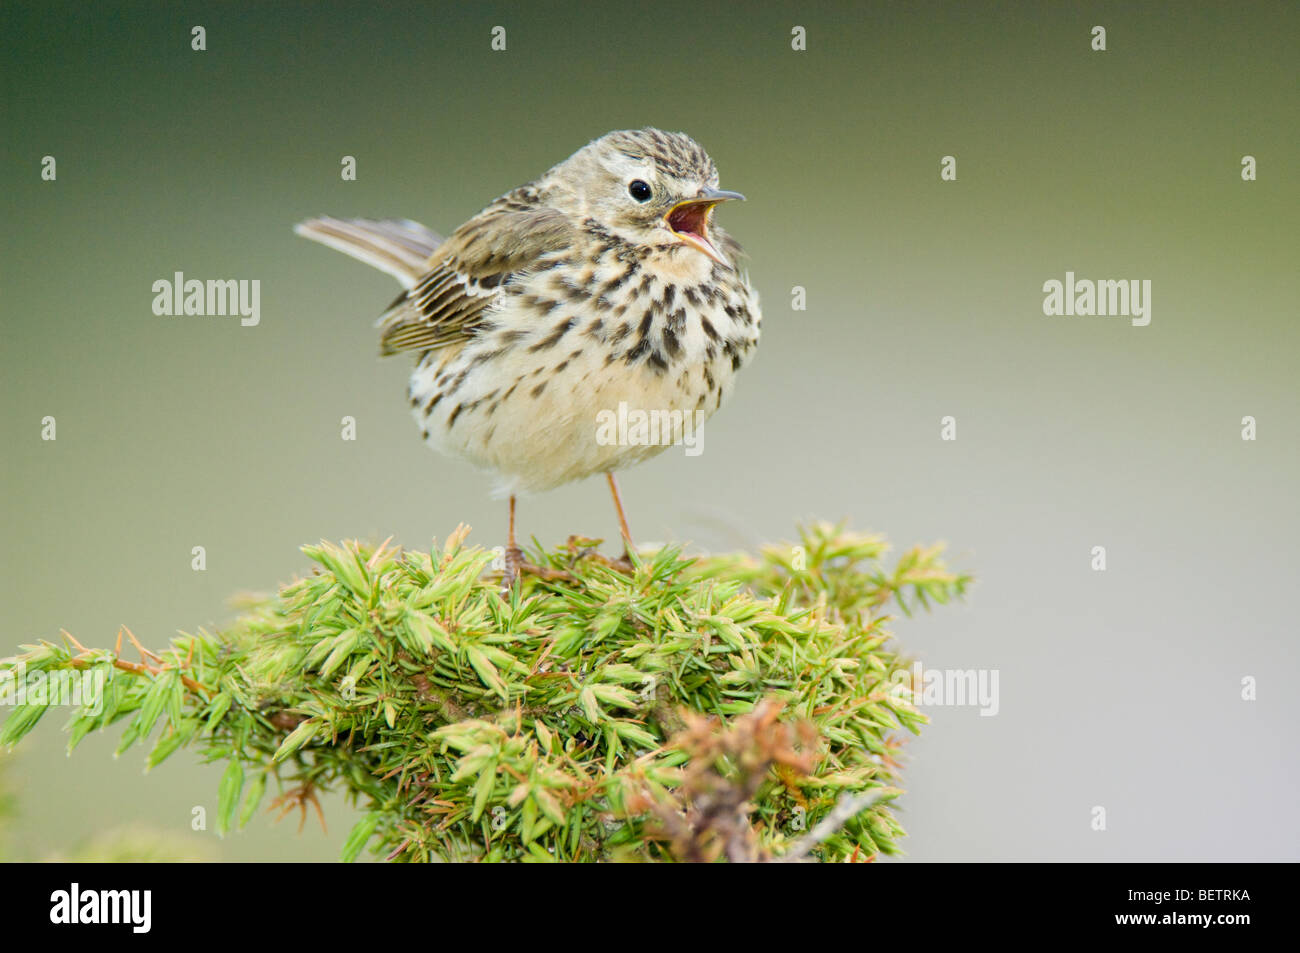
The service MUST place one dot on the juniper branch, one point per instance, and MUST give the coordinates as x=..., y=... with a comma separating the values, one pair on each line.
x=847, y=807
x=472, y=726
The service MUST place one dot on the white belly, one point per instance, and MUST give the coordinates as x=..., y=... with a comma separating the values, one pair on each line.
x=537, y=400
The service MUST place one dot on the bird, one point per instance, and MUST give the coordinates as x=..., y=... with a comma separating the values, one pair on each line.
x=603, y=286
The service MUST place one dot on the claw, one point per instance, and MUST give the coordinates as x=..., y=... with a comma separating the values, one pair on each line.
x=517, y=565
x=623, y=564
x=583, y=548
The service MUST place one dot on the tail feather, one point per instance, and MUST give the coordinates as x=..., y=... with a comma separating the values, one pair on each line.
x=398, y=248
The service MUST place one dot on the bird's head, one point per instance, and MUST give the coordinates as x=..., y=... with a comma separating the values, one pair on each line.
x=648, y=187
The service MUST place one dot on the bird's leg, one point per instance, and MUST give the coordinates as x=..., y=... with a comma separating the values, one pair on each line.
x=514, y=555
x=516, y=564
x=628, y=545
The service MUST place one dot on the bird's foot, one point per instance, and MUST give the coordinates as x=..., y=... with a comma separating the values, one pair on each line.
x=517, y=565
x=584, y=548
x=623, y=564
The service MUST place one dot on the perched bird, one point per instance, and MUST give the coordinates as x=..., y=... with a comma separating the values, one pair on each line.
x=603, y=283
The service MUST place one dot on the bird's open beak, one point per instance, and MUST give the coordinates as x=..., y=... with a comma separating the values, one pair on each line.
x=689, y=220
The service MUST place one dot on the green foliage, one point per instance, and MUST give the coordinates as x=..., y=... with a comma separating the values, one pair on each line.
x=537, y=725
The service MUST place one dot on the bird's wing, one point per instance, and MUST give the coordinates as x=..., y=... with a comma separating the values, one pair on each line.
x=399, y=248
x=467, y=272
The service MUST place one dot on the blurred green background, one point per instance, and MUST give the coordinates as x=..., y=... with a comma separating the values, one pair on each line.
x=924, y=298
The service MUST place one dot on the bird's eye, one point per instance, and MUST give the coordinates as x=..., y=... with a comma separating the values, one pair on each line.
x=639, y=190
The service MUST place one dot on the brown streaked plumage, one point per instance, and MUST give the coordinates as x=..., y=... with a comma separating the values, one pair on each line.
x=601, y=285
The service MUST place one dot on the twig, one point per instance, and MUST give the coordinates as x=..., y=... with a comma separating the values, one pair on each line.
x=845, y=809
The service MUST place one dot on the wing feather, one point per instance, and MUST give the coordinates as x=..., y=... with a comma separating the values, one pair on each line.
x=446, y=304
